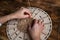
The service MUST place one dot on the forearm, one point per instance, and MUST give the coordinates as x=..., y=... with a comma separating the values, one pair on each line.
x=6, y=18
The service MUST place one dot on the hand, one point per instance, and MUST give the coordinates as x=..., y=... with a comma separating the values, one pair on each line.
x=36, y=30
x=22, y=13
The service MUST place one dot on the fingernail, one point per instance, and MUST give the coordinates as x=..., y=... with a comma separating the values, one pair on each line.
x=41, y=21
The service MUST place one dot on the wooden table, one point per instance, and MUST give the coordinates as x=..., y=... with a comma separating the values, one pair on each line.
x=52, y=7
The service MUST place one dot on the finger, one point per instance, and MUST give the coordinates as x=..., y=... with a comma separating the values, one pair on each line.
x=28, y=12
x=40, y=22
x=33, y=23
x=42, y=28
x=36, y=21
x=26, y=16
x=25, y=13
x=29, y=28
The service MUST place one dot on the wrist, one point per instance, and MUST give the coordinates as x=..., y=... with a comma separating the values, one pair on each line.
x=16, y=16
x=9, y=17
x=37, y=38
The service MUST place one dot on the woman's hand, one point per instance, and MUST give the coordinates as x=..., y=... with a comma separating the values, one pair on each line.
x=22, y=13
x=36, y=30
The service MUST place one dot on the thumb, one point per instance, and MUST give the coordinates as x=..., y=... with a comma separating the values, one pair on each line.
x=29, y=28
x=26, y=16
x=36, y=21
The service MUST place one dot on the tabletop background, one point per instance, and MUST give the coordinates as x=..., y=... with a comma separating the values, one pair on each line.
x=52, y=7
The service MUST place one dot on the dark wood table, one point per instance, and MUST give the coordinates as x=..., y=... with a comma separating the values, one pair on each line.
x=52, y=7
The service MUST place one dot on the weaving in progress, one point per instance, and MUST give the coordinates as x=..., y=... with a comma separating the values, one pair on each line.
x=17, y=29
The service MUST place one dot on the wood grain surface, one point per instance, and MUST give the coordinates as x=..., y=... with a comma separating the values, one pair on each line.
x=52, y=7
